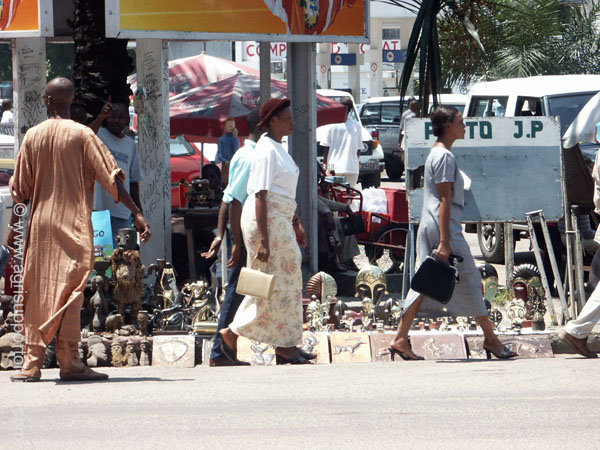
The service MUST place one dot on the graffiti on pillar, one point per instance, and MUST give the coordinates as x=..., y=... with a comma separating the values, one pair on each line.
x=30, y=75
x=154, y=135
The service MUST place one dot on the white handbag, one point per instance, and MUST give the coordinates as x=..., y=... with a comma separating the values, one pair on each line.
x=255, y=283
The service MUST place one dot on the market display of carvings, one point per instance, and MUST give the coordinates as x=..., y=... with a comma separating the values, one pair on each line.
x=128, y=271
x=318, y=343
x=127, y=324
x=174, y=351
x=350, y=347
x=526, y=346
x=378, y=307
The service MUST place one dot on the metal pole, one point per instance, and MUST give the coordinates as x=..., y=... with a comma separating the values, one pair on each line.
x=540, y=263
x=303, y=148
x=509, y=253
x=554, y=264
x=265, y=71
x=578, y=262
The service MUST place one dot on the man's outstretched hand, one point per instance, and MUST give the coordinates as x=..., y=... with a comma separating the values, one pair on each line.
x=142, y=227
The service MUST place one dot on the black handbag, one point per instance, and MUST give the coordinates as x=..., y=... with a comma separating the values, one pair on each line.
x=353, y=224
x=436, y=278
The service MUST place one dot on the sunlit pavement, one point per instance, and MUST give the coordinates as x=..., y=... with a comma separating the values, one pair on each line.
x=521, y=404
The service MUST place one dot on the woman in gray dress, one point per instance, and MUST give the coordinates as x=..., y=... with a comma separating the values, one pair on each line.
x=441, y=229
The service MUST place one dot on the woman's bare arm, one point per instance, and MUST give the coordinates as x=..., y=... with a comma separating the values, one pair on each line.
x=445, y=192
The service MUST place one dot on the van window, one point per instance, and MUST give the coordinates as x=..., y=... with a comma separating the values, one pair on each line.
x=488, y=106
x=460, y=107
x=371, y=114
x=390, y=113
x=567, y=107
x=528, y=106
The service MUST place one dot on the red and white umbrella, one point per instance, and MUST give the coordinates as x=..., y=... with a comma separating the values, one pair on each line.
x=196, y=71
x=203, y=111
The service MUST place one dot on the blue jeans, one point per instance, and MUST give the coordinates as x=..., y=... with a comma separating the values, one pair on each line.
x=230, y=306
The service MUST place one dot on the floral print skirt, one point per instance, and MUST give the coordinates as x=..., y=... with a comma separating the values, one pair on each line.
x=277, y=321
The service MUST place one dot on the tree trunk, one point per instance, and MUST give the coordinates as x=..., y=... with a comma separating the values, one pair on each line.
x=101, y=64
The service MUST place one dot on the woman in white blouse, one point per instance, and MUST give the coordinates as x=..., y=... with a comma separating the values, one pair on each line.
x=272, y=235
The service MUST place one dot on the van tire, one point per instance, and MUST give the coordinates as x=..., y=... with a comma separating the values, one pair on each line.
x=491, y=242
x=394, y=170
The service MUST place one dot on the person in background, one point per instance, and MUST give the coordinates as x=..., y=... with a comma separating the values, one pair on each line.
x=8, y=116
x=342, y=144
x=226, y=147
x=115, y=117
x=78, y=113
x=576, y=332
x=272, y=234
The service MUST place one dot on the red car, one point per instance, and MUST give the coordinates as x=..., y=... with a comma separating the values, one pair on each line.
x=186, y=164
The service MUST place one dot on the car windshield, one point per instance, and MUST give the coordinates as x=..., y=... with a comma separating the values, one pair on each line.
x=181, y=148
x=567, y=107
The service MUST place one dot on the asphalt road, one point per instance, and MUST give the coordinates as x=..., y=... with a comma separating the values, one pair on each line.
x=521, y=404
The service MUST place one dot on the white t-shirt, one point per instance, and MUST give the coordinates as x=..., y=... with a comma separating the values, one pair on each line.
x=273, y=169
x=343, y=140
x=7, y=117
x=124, y=150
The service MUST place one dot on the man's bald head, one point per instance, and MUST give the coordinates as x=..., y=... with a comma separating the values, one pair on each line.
x=60, y=91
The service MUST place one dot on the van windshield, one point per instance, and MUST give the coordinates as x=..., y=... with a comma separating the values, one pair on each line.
x=567, y=107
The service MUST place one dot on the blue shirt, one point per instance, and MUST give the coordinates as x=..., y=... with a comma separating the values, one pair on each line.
x=239, y=172
x=226, y=147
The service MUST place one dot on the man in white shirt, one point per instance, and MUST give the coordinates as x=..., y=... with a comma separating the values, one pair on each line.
x=342, y=144
x=124, y=150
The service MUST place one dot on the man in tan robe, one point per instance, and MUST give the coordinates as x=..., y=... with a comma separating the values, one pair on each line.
x=58, y=163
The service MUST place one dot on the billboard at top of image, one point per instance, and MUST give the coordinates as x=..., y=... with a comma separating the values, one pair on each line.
x=21, y=18
x=291, y=20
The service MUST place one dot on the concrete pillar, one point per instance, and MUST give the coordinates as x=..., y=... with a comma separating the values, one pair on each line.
x=373, y=58
x=265, y=71
x=303, y=146
x=29, y=81
x=354, y=72
x=154, y=135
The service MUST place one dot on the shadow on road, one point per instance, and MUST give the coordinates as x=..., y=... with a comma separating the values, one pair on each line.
x=122, y=380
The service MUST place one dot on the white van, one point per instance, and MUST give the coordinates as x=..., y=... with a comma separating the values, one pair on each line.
x=371, y=156
x=381, y=116
x=549, y=95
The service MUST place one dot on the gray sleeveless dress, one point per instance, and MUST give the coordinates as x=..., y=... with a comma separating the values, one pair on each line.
x=467, y=298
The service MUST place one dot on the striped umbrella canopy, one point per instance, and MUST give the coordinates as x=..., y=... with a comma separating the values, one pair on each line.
x=202, y=111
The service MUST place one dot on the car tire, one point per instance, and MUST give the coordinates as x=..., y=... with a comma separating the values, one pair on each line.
x=371, y=181
x=394, y=169
x=491, y=242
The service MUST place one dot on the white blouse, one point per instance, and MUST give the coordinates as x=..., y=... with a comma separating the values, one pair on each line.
x=273, y=169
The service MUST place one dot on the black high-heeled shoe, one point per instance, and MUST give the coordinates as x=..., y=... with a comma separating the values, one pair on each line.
x=406, y=356
x=505, y=353
x=294, y=360
x=305, y=354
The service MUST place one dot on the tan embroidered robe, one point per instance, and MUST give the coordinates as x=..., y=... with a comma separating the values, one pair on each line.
x=58, y=162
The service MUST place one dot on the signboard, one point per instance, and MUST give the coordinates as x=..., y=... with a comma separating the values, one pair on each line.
x=26, y=18
x=343, y=59
x=391, y=44
x=269, y=20
x=341, y=47
x=513, y=164
x=251, y=51
x=396, y=56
